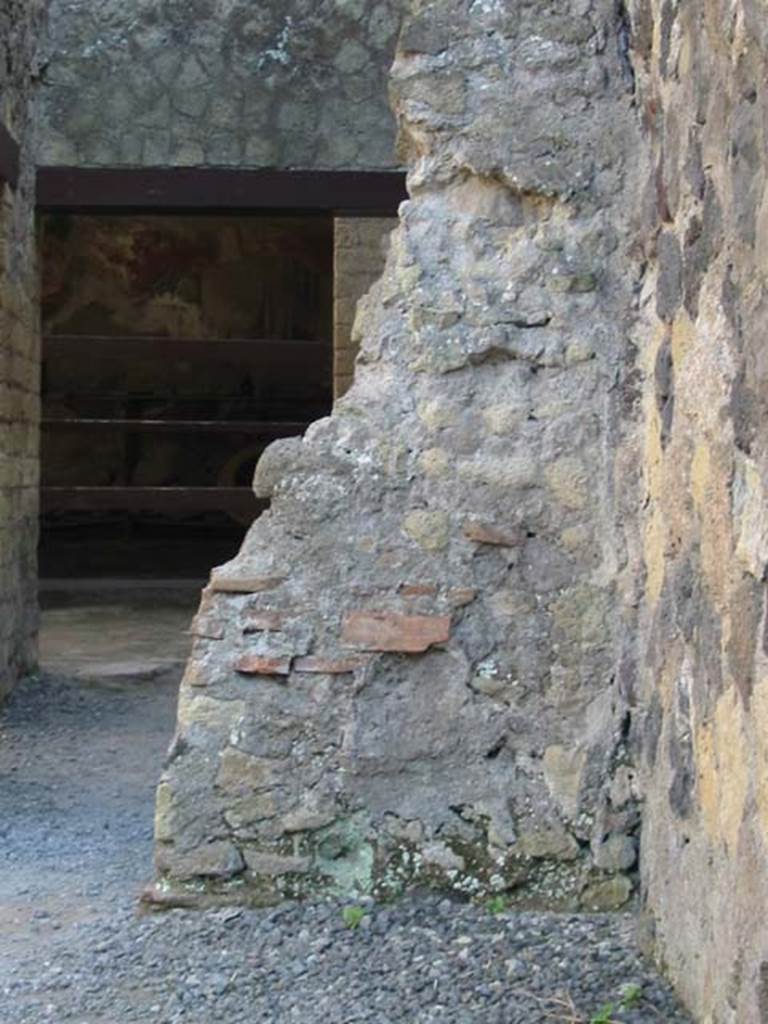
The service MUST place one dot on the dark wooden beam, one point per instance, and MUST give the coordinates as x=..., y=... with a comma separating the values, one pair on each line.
x=130, y=190
x=9, y=157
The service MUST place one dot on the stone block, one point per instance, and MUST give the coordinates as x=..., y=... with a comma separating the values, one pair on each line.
x=430, y=530
x=240, y=772
x=260, y=863
x=328, y=665
x=488, y=533
x=256, y=620
x=607, y=894
x=224, y=584
x=617, y=853
x=218, y=859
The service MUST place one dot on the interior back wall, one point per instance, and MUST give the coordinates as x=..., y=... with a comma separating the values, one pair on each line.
x=284, y=83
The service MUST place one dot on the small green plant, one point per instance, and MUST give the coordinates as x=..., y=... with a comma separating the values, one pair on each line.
x=497, y=904
x=630, y=997
x=352, y=916
x=604, y=1015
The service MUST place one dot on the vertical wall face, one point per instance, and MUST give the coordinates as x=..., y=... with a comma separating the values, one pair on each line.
x=408, y=673
x=283, y=83
x=20, y=28
x=359, y=250
x=701, y=75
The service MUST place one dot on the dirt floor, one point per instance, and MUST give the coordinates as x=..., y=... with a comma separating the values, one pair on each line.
x=81, y=748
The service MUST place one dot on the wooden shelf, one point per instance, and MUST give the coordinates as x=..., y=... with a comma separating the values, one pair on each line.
x=239, y=502
x=140, y=426
x=113, y=346
x=278, y=371
x=180, y=402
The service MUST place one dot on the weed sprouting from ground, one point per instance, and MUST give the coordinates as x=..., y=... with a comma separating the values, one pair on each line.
x=352, y=916
x=497, y=905
x=561, y=1009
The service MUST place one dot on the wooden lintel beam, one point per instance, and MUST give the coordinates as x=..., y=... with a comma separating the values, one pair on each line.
x=126, y=190
x=10, y=161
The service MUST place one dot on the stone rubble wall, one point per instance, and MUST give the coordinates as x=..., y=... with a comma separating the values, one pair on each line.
x=701, y=482
x=359, y=251
x=21, y=26
x=409, y=672
x=284, y=83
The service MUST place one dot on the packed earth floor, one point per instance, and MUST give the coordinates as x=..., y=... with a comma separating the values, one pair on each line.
x=79, y=758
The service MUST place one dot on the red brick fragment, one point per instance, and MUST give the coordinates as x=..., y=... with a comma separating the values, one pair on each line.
x=256, y=620
x=328, y=666
x=245, y=584
x=391, y=631
x=487, y=533
x=263, y=665
x=418, y=589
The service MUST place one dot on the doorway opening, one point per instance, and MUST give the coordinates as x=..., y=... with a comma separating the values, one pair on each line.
x=176, y=347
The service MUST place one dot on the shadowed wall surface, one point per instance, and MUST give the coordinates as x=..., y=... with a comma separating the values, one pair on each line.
x=21, y=25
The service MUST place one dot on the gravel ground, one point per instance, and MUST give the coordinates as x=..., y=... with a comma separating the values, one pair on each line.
x=78, y=764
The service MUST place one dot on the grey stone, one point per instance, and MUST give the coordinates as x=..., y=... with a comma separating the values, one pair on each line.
x=670, y=284
x=616, y=853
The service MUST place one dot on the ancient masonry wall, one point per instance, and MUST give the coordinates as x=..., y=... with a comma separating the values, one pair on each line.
x=359, y=252
x=409, y=673
x=20, y=32
x=284, y=83
x=701, y=72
